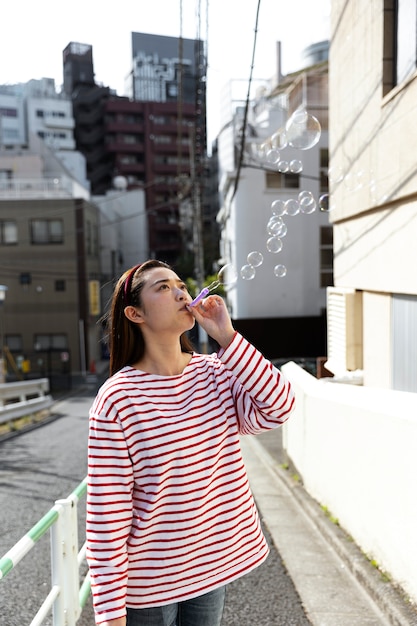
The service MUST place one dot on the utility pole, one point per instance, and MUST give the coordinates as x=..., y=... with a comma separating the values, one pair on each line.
x=198, y=243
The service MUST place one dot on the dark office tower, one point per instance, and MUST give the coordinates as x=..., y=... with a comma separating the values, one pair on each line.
x=78, y=66
x=165, y=68
x=88, y=101
x=169, y=74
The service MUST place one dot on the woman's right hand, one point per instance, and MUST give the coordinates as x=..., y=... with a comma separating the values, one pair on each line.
x=212, y=315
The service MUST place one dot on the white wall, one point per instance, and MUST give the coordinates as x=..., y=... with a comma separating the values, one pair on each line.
x=355, y=449
x=377, y=360
x=12, y=129
x=123, y=227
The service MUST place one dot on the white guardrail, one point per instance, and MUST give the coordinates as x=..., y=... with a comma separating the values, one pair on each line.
x=66, y=598
x=23, y=398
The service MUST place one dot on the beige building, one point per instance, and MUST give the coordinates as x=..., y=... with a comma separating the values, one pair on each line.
x=373, y=183
x=49, y=262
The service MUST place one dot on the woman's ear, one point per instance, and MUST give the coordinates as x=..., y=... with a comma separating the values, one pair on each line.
x=133, y=315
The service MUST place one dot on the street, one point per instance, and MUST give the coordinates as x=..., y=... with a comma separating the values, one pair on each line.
x=48, y=463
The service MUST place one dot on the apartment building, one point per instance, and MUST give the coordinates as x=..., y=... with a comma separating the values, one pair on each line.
x=373, y=184
x=279, y=300
x=49, y=261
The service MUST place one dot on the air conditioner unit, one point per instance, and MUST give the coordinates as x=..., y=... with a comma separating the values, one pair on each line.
x=344, y=331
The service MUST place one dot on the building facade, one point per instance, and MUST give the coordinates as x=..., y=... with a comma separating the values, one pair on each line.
x=49, y=260
x=279, y=299
x=156, y=139
x=373, y=183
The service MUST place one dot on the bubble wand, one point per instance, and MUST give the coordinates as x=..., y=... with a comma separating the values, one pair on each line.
x=226, y=276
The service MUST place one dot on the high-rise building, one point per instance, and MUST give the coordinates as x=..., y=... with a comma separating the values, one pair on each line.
x=156, y=139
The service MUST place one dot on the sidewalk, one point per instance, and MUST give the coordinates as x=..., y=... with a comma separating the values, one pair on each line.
x=336, y=583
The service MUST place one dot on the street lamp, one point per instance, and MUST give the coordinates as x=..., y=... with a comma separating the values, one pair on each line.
x=3, y=289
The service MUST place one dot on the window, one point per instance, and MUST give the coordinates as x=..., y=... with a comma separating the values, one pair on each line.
x=162, y=139
x=324, y=169
x=400, y=42
x=277, y=180
x=326, y=256
x=404, y=342
x=7, y=112
x=130, y=139
x=47, y=231
x=25, y=278
x=14, y=343
x=8, y=232
x=51, y=342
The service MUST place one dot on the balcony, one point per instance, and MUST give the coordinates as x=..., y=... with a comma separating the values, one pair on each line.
x=52, y=121
x=34, y=188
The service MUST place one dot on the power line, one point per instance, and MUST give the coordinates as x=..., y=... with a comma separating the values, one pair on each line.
x=245, y=118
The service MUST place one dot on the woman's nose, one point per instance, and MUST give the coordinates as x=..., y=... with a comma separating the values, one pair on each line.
x=180, y=295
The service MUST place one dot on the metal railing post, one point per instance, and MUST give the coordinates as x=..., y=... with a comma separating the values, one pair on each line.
x=66, y=599
x=65, y=564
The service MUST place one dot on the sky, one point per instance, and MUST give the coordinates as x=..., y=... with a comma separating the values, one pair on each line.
x=34, y=34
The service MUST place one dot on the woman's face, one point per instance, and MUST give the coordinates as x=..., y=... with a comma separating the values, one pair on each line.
x=164, y=297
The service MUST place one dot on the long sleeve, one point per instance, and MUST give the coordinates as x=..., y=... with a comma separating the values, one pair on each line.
x=109, y=514
x=170, y=514
x=264, y=398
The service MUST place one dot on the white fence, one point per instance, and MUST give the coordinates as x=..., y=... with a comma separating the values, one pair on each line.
x=355, y=449
x=66, y=598
x=23, y=398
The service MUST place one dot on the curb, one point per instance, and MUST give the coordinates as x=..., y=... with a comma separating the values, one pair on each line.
x=386, y=595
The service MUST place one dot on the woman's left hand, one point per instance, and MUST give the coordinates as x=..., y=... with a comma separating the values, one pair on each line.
x=213, y=316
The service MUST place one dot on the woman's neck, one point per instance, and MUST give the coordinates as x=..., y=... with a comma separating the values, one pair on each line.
x=163, y=360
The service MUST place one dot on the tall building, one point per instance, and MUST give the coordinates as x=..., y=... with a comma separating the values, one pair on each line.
x=156, y=139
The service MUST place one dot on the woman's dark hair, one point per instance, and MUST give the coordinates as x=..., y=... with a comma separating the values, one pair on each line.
x=126, y=343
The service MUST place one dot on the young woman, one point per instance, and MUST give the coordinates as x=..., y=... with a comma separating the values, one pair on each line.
x=170, y=516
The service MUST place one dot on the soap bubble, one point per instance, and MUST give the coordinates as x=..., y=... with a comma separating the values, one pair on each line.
x=248, y=272
x=299, y=116
x=280, y=271
x=279, y=139
x=255, y=258
x=307, y=202
x=303, y=130
x=276, y=227
x=324, y=203
x=274, y=245
x=354, y=180
x=227, y=275
x=335, y=175
x=292, y=207
x=278, y=207
x=296, y=166
x=283, y=166
x=281, y=230
x=272, y=156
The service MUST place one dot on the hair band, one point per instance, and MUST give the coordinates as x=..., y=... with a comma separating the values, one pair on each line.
x=128, y=282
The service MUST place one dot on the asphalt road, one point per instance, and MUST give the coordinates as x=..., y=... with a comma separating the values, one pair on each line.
x=47, y=463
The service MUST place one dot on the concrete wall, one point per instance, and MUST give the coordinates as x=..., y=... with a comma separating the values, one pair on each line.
x=355, y=449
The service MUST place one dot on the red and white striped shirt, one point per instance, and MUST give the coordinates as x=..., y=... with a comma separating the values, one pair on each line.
x=170, y=514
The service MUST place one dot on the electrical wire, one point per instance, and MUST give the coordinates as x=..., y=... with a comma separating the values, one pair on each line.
x=245, y=118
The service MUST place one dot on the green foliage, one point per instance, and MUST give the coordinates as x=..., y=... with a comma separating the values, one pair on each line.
x=193, y=288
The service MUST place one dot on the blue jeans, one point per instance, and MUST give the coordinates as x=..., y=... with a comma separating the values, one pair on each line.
x=205, y=610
